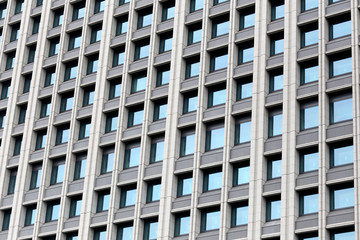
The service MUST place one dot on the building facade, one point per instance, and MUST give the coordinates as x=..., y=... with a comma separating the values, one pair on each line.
x=187, y=119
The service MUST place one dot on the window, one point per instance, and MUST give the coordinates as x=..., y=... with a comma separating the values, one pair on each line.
x=212, y=180
x=12, y=181
x=247, y=18
x=341, y=235
x=194, y=33
x=62, y=135
x=187, y=143
x=100, y=233
x=210, y=219
x=216, y=96
x=49, y=77
x=160, y=109
x=277, y=44
x=150, y=230
x=111, y=122
x=341, y=198
x=196, y=5
x=340, y=109
x=19, y=6
x=70, y=71
x=308, y=4
x=128, y=196
x=75, y=207
x=309, y=202
x=246, y=53
x=340, y=65
x=6, y=220
x=17, y=145
x=135, y=116
x=277, y=10
x=121, y=26
x=74, y=40
x=309, y=73
x=36, y=25
x=32, y=52
x=190, y=102
x=220, y=26
x=54, y=47
x=241, y=174
x=309, y=116
x=22, y=113
x=244, y=88
x=275, y=123
x=80, y=167
x=85, y=127
x=192, y=68
x=184, y=186
x=218, y=60
x=168, y=11
x=45, y=108
x=10, y=61
x=309, y=237
x=99, y=6
x=107, y=160
x=182, y=224
x=35, y=176
x=57, y=172
x=121, y=2
x=340, y=27
x=165, y=43
x=144, y=18
x=30, y=215
x=214, y=138
x=52, y=211
x=153, y=191
x=58, y=18
x=88, y=97
x=72, y=236
x=273, y=209
x=273, y=168
x=5, y=90
x=163, y=76
x=67, y=102
x=103, y=201
x=125, y=232
x=92, y=64
x=141, y=50
x=3, y=10
x=239, y=215
x=114, y=89
x=95, y=33
x=276, y=80
x=157, y=150
x=309, y=160
x=78, y=11
x=219, y=1
x=2, y=119
x=40, y=140
x=118, y=57
x=242, y=131
x=27, y=83
x=15, y=29
x=341, y=154
x=309, y=36
x=132, y=155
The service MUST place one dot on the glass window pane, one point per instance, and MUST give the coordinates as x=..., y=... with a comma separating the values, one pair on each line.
x=138, y=117
x=341, y=66
x=278, y=12
x=342, y=110
x=343, y=155
x=134, y=156
x=194, y=36
x=189, y=144
x=243, y=175
x=310, y=117
x=310, y=74
x=216, y=138
x=212, y=220
x=126, y=233
x=190, y=104
x=344, y=236
x=184, y=225
x=343, y=198
x=277, y=46
x=276, y=82
x=310, y=37
x=214, y=181
x=276, y=127
x=130, y=197
x=309, y=4
x=159, y=152
x=247, y=20
x=310, y=204
x=219, y=62
x=274, y=170
x=138, y=84
x=340, y=29
x=153, y=228
x=196, y=5
x=241, y=215
x=156, y=190
x=243, y=132
x=220, y=28
x=310, y=162
x=245, y=90
x=55, y=212
x=275, y=210
x=193, y=69
x=185, y=185
x=218, y=97
x=247, y=55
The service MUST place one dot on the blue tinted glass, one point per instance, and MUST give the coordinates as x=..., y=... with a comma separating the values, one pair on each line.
x=310, y=162
x=277, y=125
x=221, y=28
x=341, y=66
x=342, y=110
x=81, y=12
x=82, y=168
x=159, y=156
x=186, y=186
x=217, y=138
x=165, y=77
x=98, y=35
x=87, y=130
x=198, y=5
x=343, y=198
x=184, y=225
x=196, y=36
x=277, y=82
x=219, y=97
x=91, y=97
x=153, y=228
x=110, y=162
x=33, y=216
x=102, y=6
x=215, y=180
x=78, y=208
x=138, y=117
x=275, y=210
x=140, y=84
x=120, y=59
x=134, y=156
x=220, y=62
x=245, y=132
x=310, y=204
x=246, y=90
x=343, y=155
x=311, y=238
x=156, y=190
x=275, y=169
x=60, y=173
x=278, y=46
x=147, y=20
x=170, y=12
x=106, y=202
x=77, y=42
x=248, y=20
x=127, y=233
x=117, y=90
x=38, y=178
x=212, y=220
x=144, y=51
x=341, y=29
x=310, y=4
x=65, y=136
x=124, y=26
x=278, y=12
x=241, y=215
x=311, y=74
x=162, y=111
x=243, y=175
x=55, y=212
x=130, y=197
x=311, y=117
x=194, y=69
x=114, y=122
x=73, y=72
x=190, y=144
x=310, y=37
x=247, y=55
x=344, y=236
x=192, y=103
x=69, y=103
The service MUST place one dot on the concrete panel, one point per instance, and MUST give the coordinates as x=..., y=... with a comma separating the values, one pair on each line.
x=3, y=103
x=7, y=200
x=26, y=231
x=165, y=26
x=275, y=26
x=115, y=72
x=112, y=104
x=124, y=213
x=275, y=61
x=163, y=58
x=271, y=227
x=242, y=106
x=218, y=42
x=132, y=132
x=58, y=150
x=11, y=45
x=274, y=143
x=121, y=9
x=63, y=117
x=57, y=4
x=272, y=185
x=75, y=25
x=118, y=40
x=153, y=169
x=337, y=44
x=184, y=162
x=187, y=119
x=307, y=221
x=308, y=52
x=339, y=129
x=49, y=227
x=212, y=157
x=15, y=18
x=243, y=3
x=193, y=49
x=36, y=10
x=31, y=195
x=18, y=129
x=28, y=68
x=13, y=161
x=209, y=235
x=4, y=234
x=210, y=197
x=96, y=18
x=158, y=126
x=53, y=191
x=219, y=9
x=100, y=217
x=150, y=208
x=194, y=17
x=108, y=138
x=143, y=3
x=72, y=223
x=142, y=33
x=307, y=136
x=85, y=111
x=160, y=91
x=308, y=16
x=307, y=178
x=182, y=202
x=54, y=32
x=239, y=192
x=346, y=171
x=71, y=55
x=92, y=48
x=138, y=65
x=341, y=216
x=274, y=97
x=39, y=154
x=190, y=83
x=245, y=34
x=216, y=76
x=337, y=8
x=42, y=122
x=23, y=98
x=240, y=151
x=81, y=145
x=76, y=186
x=88, y=79
x=67, y=86
x=237, y=232
x=128, y=175
x=214, y=112
x=50, y=61
x=339, y=82
x=308, y=89
x=7, y=74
